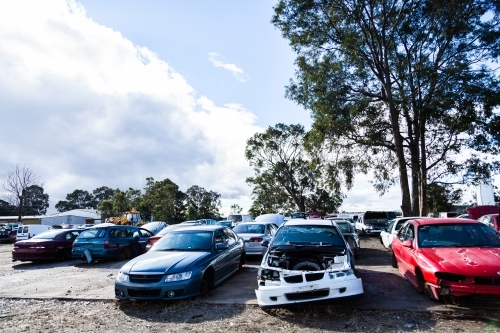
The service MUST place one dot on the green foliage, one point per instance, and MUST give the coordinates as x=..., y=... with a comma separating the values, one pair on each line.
x=159, y=200
x=400, y=88
x=206, y=203
x=36, y=201
x=191, y=213
x=284, y=173
x=441, y=198
x=6, y=209
x=78, y=199
x=102, y=193
x=236, y=209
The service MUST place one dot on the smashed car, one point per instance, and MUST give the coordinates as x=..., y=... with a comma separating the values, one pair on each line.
x=306, y=261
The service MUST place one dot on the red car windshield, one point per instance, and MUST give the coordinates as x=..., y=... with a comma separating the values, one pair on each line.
x=457, y=235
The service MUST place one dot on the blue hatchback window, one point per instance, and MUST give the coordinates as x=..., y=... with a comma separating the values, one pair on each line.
x=93, y=233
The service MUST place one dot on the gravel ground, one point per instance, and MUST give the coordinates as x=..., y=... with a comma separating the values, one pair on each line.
x=29, y=315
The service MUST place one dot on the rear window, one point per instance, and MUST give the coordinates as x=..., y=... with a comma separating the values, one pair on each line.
x=236, y=218
x=93, y=233
x=375, y=215
x=250, y=229
x=51, y=234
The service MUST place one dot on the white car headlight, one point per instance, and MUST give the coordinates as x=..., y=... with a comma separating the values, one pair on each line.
x=178, y=277
x=122, y=277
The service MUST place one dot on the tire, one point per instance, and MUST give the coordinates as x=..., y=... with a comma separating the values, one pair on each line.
x=394, y=262
x=420, y=281
x=242, y=261
x=124, y=253
x=60, y=256
x=206, y=283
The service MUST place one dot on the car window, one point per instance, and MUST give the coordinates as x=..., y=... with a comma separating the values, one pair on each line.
x=344, y=227
x=409, y=233
x=93, y=233
x=145, y=233
x=220, y=237
x=185, y=241
x=307, y=235
x=250, y=228
x=118, y=233
x=231, y=236
x=47, y=235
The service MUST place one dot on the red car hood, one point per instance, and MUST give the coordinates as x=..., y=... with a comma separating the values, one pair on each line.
x=471, y=261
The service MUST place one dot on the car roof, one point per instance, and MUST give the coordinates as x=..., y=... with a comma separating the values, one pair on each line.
x=201, y=227
x=255, y=222
x=445, y=220
x=308, y=222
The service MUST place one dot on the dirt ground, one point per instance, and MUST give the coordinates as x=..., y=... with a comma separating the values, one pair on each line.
x=27, y=315
x=58, y=313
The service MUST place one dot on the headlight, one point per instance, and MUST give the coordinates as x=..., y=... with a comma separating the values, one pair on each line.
x=449, y=277
x=122, y=277
x=178, y=277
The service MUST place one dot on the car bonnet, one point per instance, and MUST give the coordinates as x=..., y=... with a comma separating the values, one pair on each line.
x=161, y=262
x=476, y=261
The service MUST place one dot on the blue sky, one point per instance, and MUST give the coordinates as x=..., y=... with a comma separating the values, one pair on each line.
x=111, y=92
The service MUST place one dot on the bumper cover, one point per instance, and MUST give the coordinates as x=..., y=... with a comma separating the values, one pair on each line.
x=290, y=293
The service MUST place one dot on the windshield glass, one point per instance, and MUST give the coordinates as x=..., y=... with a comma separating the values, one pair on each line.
x=250, y=229
x=457, y=235
x=344, y=227
x=47, y=235
x=185, y=241
x=236, y=218
x=93, y=233
x=375, y=215
x=307, y=235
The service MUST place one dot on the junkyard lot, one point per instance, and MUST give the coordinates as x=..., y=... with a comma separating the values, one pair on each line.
x=384, y=288
x=73, y=296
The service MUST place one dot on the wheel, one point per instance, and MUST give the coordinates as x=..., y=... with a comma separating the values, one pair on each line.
x=394, y=262
x=420, y=282
x=124, y=253
x=60, y=256
x=206, y=282
x=242, y=261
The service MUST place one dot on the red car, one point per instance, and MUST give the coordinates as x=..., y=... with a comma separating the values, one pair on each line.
x=49, y=245
x=452, y=259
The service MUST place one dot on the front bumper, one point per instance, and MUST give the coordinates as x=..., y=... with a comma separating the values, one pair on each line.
x=158, y=291
x=326, y=288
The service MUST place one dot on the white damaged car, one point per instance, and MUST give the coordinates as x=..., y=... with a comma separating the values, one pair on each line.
x=307, y=260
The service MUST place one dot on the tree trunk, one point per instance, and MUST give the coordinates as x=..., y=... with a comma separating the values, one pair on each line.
x=424, y=210
x=20, y=209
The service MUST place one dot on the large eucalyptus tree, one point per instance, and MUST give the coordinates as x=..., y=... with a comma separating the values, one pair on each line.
x=404, y=88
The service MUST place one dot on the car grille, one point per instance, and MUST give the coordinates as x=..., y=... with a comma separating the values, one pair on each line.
x=308, y=295
x=144, y=292
x=487, y=281
x=293, y=279
x=137, y=278
x=314, y=276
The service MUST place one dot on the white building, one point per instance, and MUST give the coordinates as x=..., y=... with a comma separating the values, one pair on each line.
x=74, y=217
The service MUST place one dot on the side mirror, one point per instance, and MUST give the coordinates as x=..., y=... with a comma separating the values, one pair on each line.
x=265, y=243
x=408, y=244
x=221, y=246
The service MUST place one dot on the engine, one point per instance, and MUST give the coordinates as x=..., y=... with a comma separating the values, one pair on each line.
x=302, y=261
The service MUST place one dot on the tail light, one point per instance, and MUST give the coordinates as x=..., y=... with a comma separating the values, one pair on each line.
x=256, y=239
x=106, y=244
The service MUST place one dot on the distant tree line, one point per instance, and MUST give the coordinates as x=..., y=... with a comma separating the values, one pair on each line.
x=160, y=200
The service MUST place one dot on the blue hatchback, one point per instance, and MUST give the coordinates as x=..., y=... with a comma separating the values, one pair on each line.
x=111, y=242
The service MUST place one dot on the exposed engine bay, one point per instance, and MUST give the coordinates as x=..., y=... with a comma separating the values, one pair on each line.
x=304, y=260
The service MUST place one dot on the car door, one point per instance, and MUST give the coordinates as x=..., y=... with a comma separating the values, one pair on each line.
x=235, y=248
x=222, y=265
x=407, y=255
x=144, y=235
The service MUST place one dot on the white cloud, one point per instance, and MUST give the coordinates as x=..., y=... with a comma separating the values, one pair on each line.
x=84, y=107
x=219, y=61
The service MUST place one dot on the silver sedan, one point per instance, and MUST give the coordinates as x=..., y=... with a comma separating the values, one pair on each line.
x=253, y=233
